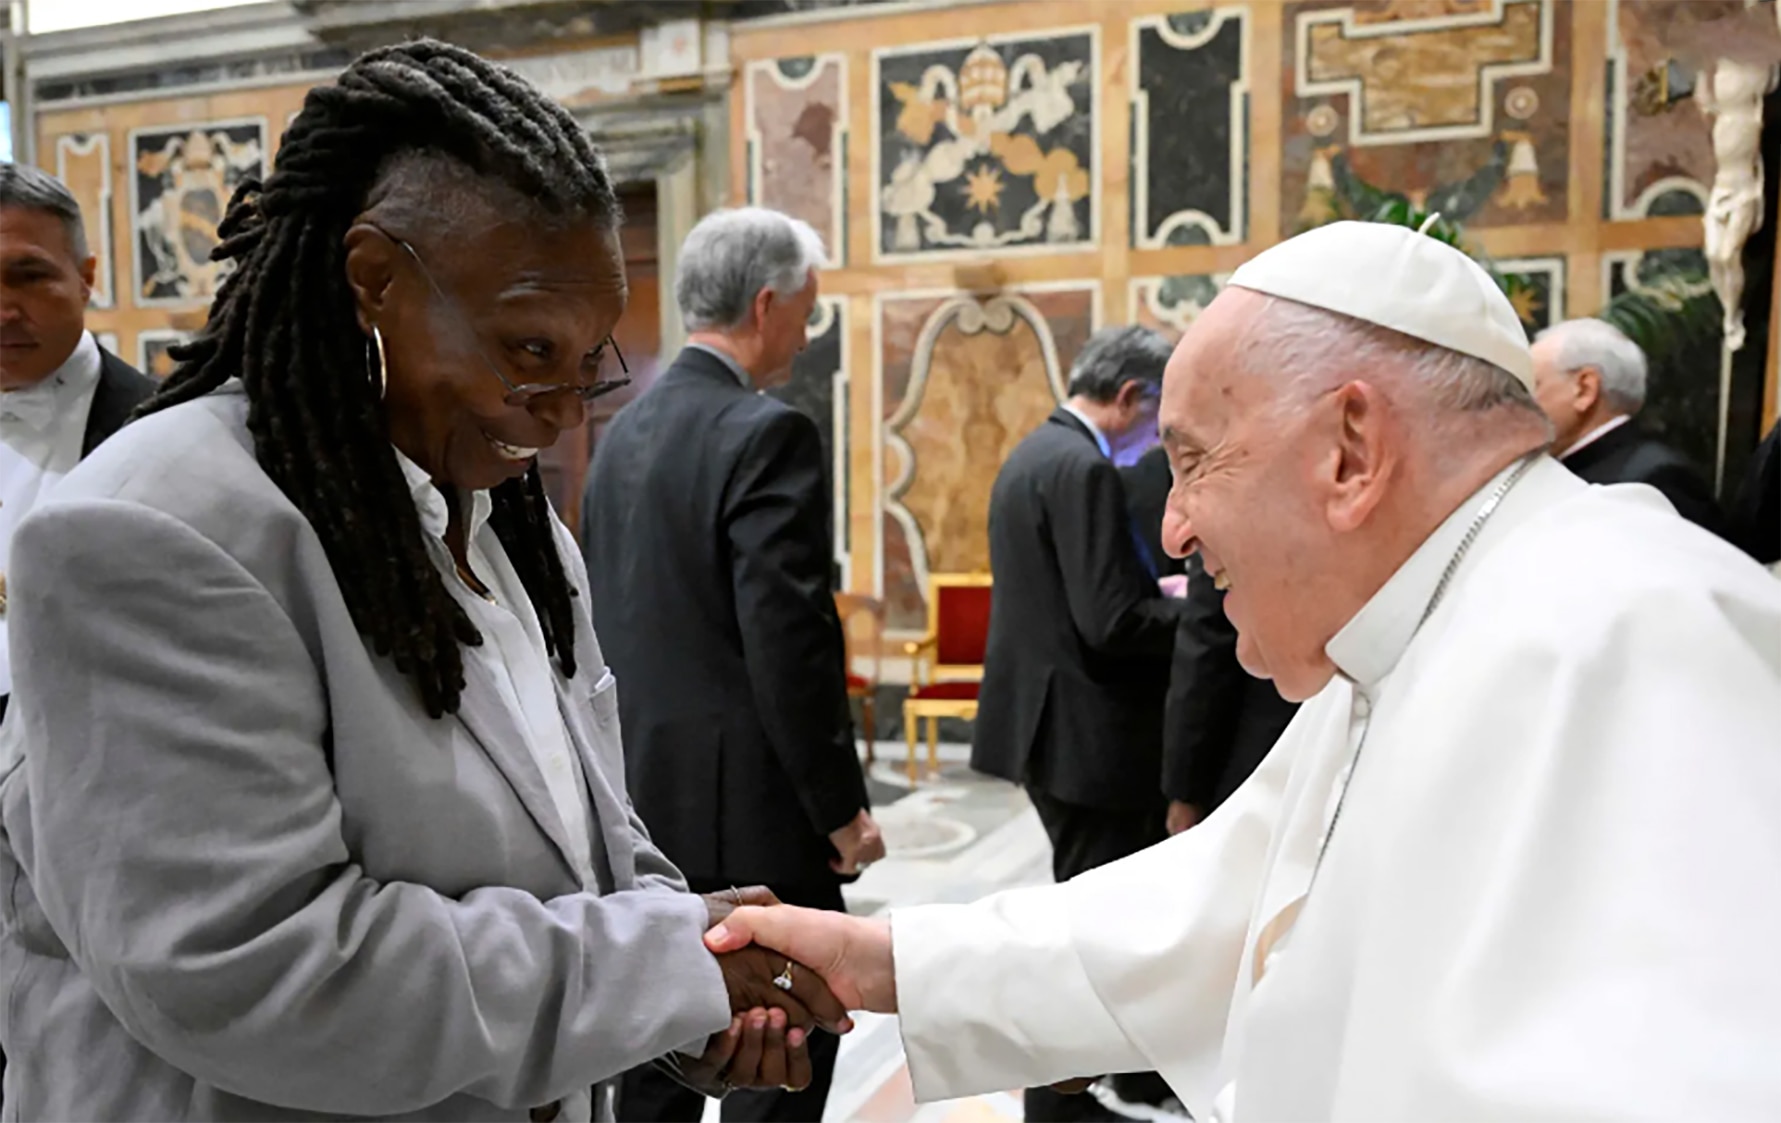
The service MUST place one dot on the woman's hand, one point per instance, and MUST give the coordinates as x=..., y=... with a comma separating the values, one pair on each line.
x=759, y=1050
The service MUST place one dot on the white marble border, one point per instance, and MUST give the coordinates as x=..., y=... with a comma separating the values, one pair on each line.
x=1488, y=74
x=1239, y=153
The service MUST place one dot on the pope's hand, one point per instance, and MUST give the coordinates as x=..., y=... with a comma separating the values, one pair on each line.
x=852, y=954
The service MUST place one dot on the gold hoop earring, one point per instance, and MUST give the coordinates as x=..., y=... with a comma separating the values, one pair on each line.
x=383, y=375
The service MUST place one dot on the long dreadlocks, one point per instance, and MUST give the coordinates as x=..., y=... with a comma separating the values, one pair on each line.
x=284, y=322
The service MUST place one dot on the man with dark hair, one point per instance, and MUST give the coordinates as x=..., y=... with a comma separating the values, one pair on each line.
x=1079, y=632
x=60, y=392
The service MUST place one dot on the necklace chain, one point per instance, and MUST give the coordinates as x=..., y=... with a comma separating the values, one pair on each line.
x=1488, y=509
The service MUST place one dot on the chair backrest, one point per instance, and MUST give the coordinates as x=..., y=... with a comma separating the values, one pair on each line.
x=862, y=626
x=958, y=616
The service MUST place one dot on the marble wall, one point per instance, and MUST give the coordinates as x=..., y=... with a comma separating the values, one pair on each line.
x=153, y=178
x=998, y=180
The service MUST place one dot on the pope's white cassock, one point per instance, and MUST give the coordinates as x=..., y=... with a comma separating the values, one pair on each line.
x=1554, y=893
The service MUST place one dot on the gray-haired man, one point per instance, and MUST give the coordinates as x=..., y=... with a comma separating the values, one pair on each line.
x=707, y=533
x=1589, y=379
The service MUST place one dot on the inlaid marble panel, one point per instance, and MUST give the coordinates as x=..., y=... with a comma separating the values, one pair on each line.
x=180, y=182
x=1459, y=106
x=819, y=389
x=986, y=145
x=797, y=142
x=1190, y=128
x=1536, y=289
x=83, y=162
x=1659, y=146
x=152, y=350
x=1170, y=304
x=964, y=379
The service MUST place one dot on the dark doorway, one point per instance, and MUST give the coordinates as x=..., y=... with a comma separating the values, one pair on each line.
x=639, y=336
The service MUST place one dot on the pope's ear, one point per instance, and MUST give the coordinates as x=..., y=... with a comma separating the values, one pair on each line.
x=1363, y=455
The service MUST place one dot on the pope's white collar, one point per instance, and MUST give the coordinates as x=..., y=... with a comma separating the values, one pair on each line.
x=1372, y=642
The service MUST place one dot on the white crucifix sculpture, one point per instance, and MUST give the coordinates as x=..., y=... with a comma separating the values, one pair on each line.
x=1731, y=94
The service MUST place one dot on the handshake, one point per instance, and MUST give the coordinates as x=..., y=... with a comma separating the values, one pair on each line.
x=775, y=1004
x=775, y=1001
x=816, y=964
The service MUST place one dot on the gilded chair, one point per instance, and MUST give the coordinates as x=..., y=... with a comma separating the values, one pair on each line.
x=862, y=626
x=948, y=660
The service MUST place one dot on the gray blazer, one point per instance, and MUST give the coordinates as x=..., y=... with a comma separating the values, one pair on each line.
x=243, y=875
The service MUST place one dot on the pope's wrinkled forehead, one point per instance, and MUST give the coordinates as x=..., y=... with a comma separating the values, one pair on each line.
x=1207, y=385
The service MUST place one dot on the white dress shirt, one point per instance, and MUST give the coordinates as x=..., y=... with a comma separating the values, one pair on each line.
x=513, y=650
x=1595, y=435
x=41, y=429
x=1093, y=430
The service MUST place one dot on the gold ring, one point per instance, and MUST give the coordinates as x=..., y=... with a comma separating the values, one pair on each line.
x=783, y=980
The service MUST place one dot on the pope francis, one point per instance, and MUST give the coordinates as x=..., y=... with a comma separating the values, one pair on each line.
x=1519, y=855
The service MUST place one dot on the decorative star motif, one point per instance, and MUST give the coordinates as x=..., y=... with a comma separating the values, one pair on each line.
x=1526, y=302
x=983, y=189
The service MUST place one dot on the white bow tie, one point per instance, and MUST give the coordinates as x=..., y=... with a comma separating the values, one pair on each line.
x=33, y=408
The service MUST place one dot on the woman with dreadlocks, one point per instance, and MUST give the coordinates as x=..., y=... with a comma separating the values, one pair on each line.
x=313, y=796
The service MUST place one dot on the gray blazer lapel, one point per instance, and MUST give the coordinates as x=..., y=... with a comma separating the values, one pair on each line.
x=612, y=819
x=501, y=736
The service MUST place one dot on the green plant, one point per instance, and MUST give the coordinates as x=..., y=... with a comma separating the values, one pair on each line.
x=1667, y=314
x=1670, y=308
x=1398, y=211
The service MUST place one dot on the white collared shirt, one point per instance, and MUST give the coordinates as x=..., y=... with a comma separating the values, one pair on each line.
x=1595, y=435
x=513, y=649
x=1093, y=430
x=41, y=431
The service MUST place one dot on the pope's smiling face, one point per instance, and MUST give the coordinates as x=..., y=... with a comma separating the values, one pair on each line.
x=1247, y=497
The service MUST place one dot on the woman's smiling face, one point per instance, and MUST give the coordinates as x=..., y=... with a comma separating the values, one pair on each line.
x=467, y=315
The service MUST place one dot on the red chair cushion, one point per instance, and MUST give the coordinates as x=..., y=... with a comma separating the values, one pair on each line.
x=945, y=691
x=962, y=624
x=858, y=682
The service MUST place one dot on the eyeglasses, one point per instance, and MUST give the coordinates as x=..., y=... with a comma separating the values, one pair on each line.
x=526, y=393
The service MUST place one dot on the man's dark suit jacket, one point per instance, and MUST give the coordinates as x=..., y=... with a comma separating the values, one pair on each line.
x=1628, y=455
x=1220, y=721
x=1079, y=635
x=1147, y=483
x=706, y=530
x=121, y=389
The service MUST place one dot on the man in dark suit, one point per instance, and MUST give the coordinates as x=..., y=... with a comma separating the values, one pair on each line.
x=706, y=527
x=1590, y=379
x=1079, y=633
x=1220, y=720
x=1147, y=483
x=60, y=392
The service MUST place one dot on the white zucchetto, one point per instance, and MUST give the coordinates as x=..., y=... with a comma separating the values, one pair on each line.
x=1400, y=279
